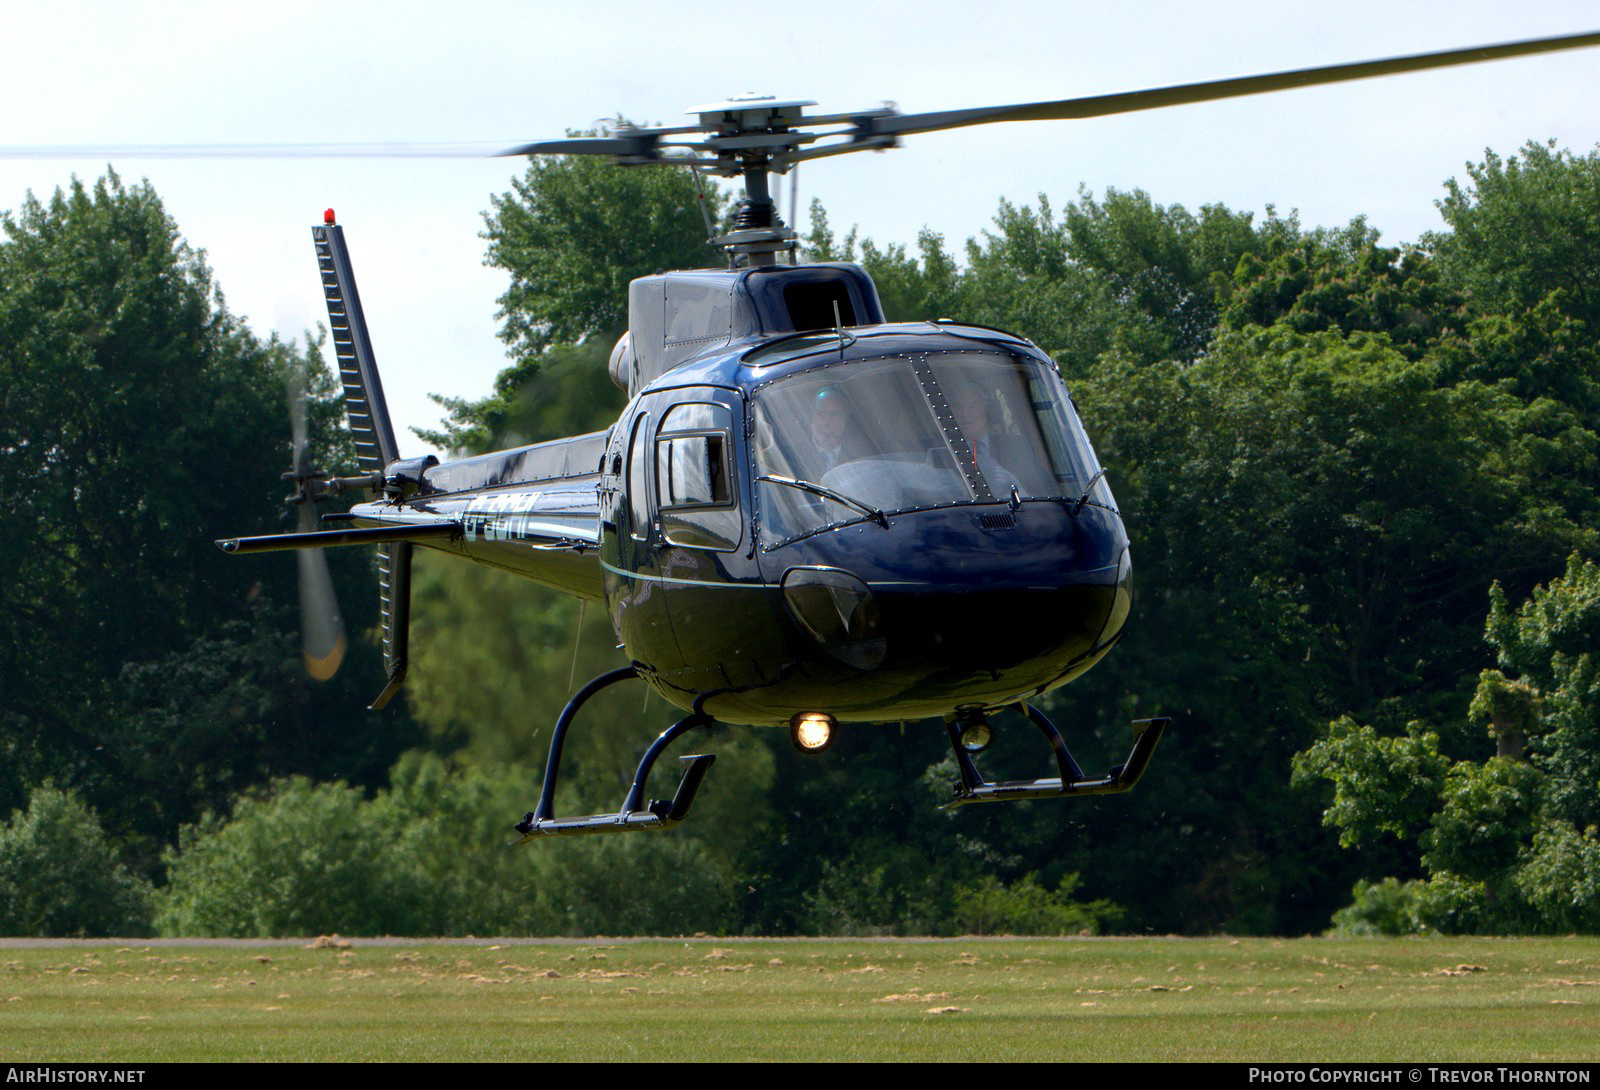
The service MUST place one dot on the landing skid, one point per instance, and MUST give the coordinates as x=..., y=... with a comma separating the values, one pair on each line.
x=972, y=787
x=635, y=813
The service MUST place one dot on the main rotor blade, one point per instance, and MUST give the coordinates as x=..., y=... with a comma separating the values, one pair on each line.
x=589, y=145
x=1210, y=91
x=598, y=145
x=256, y=151
x=643, y=145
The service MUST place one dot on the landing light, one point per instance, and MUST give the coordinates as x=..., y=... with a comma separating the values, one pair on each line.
x=977, y=736
x=811, y=732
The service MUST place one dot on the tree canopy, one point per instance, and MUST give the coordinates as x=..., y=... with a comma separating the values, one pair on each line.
x=1507, y=840
x=574, y=230
x=1525, y=227
x=141, y=422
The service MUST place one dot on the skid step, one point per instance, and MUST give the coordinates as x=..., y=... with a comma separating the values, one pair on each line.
x=972, y=787
x=657, y=814
x=634, y=814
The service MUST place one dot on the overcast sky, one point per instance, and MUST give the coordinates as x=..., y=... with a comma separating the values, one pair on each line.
x=505, y=72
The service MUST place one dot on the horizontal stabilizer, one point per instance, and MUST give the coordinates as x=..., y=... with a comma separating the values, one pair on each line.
x=322, y=539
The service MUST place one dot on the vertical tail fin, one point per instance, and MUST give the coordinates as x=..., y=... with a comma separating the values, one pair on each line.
x=358, y=368
x=376, y=449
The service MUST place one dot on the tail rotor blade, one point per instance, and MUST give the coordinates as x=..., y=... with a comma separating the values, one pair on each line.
x=296, y=382
x=322, y=634
x=322, y=629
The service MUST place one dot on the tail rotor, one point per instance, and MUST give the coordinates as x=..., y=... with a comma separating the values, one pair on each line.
x=323, y=642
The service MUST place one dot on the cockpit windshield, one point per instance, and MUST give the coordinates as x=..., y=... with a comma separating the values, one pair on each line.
x=901, y=433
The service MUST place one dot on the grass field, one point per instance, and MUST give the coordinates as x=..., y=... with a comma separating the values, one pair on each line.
x=710, y=999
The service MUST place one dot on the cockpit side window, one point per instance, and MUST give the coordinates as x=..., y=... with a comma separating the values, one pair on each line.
x=1083, y=456
x=638, y=479
x=694, y=481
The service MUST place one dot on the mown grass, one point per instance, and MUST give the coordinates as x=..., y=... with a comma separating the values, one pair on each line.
x=968, y=999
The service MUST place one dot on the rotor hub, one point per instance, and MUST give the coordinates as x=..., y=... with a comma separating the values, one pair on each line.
x=752, y=135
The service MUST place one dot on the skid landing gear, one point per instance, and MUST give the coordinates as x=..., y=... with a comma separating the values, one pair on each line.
x=968, y=726
x=635, y=813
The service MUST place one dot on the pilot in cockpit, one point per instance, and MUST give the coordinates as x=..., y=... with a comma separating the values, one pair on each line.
x=830, y=430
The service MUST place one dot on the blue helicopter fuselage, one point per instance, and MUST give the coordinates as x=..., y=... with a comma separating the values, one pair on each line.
x=869, y=520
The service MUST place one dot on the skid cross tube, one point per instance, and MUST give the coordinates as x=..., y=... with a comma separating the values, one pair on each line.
x=635, y=812
x=1071, y=782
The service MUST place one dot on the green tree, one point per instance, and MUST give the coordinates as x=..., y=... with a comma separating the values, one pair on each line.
x=1523, y=227
x=297, y=862
x=1537, y=352
x=142, y=422
x=574, y=230
x=1164, y=265
x=1302, y=550
x=427, y=857
x=1503, y=841
x=1507, y=843
x=496, y=658
x=572, y=233
x=1549, y=645
x=1343, y=281
x=1256, y=391
x=915, y=289
x=1027, y=908
x=60, y=875
x=1022, y=276
x=420, y=858
x=1122, y=272
x=1280, y=450
x=564, y=390
x=1381, y=784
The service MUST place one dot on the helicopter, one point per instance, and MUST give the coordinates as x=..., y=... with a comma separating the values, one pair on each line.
x=805, y=515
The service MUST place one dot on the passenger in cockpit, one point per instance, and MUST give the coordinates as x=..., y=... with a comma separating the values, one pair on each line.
x=970, y=404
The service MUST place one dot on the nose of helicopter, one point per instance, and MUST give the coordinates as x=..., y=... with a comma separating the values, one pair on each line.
x=963, y=604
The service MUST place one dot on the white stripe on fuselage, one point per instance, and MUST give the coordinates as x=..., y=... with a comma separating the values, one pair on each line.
x=512, y=516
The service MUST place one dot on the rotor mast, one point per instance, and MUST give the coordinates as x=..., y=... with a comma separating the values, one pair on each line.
x=759, y=235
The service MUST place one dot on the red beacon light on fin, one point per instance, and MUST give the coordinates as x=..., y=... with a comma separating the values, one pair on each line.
x=328, y=217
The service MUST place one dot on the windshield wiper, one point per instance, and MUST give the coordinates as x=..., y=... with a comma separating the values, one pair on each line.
x=1083, y=499
x=828, y=493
